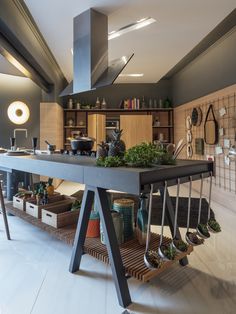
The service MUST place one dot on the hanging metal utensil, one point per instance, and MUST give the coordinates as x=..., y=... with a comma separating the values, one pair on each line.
x=212, y=224
x=151, y=258
x=178, y=244
x=202, y=230
x=191, y=237
x=167, y=252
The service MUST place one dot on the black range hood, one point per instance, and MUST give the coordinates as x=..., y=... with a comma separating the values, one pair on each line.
x=90, y=54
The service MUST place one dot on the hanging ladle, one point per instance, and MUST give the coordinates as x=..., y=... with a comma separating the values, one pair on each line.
x=178, y=244
x=191, y=237
x=151, y=258
x=167, y=252
x=212, y=224
x=202, y=230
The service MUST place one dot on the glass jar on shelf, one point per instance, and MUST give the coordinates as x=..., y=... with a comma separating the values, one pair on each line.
x=70, y=104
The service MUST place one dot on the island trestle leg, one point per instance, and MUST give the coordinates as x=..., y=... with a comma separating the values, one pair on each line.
x=118, y=270
x=4, y=214
x=170, y=218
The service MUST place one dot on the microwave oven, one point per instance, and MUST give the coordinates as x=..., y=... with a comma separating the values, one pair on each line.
x=112, y=124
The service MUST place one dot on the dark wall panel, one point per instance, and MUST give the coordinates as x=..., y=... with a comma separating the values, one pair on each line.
x=22, y=89
x=211, y=71
x=116, y=92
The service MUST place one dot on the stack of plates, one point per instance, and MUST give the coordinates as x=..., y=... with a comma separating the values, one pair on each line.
x=2, y=150
x=17, y=153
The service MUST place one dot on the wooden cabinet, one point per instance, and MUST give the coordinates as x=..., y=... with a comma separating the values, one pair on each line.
x=97, y=128
x=136, y=129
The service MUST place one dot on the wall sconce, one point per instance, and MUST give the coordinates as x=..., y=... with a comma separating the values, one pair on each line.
x=18, y=112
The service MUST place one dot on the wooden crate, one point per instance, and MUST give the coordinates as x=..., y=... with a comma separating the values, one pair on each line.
x=60, y=215
x=20, y=203
x=35, y=210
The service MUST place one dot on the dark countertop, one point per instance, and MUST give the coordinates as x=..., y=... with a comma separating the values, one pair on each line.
x=83, y=169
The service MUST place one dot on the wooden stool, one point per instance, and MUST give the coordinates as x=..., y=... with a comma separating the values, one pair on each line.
x=3, y=208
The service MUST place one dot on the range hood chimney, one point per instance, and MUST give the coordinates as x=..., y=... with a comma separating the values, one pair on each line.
x=90, y=54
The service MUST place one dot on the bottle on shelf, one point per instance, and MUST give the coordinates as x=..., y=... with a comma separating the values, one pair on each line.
x=78, y=105
x=97, y=104
x=167, y=103
x=70, y=104
x=160, y=103
x=143, y=103
x=155, y=103
x=104, y=104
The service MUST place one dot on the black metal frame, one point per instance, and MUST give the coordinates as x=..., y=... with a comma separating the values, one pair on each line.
x=118, y=270
x=4, y=214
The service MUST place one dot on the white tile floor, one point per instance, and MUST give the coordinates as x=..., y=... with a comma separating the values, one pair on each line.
x=34, y=277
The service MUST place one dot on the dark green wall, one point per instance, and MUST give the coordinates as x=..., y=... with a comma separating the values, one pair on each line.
x=14, y=88
x=212, y=70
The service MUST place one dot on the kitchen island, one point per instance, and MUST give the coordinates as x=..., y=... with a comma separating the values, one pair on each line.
x=97, y=181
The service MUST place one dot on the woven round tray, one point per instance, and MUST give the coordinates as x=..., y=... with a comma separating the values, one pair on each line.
x=196, y=116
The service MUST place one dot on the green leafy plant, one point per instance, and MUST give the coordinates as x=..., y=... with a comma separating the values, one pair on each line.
x=143, y=155
x=169, y=251
x=146, y=155
x=164, y=158
x=76, y=205
x=203, y=230
x=110, y=162
x=214, y=225
x=181, y=245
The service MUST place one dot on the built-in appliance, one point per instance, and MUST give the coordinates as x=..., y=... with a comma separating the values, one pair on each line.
x=111, y=124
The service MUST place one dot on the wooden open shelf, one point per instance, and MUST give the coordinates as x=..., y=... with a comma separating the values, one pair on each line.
x=132, y=252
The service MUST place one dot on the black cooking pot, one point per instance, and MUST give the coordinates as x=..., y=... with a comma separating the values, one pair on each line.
x=83, y=144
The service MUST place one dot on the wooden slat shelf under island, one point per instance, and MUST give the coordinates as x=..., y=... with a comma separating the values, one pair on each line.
x=131, y=252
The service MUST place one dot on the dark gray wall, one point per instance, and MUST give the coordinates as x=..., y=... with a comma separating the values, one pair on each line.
x=211, y=71
x=116, y=92
x=22, y=89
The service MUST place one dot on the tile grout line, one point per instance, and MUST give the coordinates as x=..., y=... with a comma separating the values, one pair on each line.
x=31, y=311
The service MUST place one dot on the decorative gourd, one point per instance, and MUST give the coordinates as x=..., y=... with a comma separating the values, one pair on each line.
x=50, y=187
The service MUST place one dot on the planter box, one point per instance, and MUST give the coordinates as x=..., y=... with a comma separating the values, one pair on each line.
x=20, y=203
x=60, y=215
x=35, y=210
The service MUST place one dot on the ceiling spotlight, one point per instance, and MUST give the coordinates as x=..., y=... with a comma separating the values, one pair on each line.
x=131, y=75
x=131, y=27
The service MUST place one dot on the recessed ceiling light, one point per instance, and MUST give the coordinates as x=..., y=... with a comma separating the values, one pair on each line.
x=131, y=27
x=131, y=75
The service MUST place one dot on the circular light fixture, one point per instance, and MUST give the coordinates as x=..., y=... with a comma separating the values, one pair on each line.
x=18, y=112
